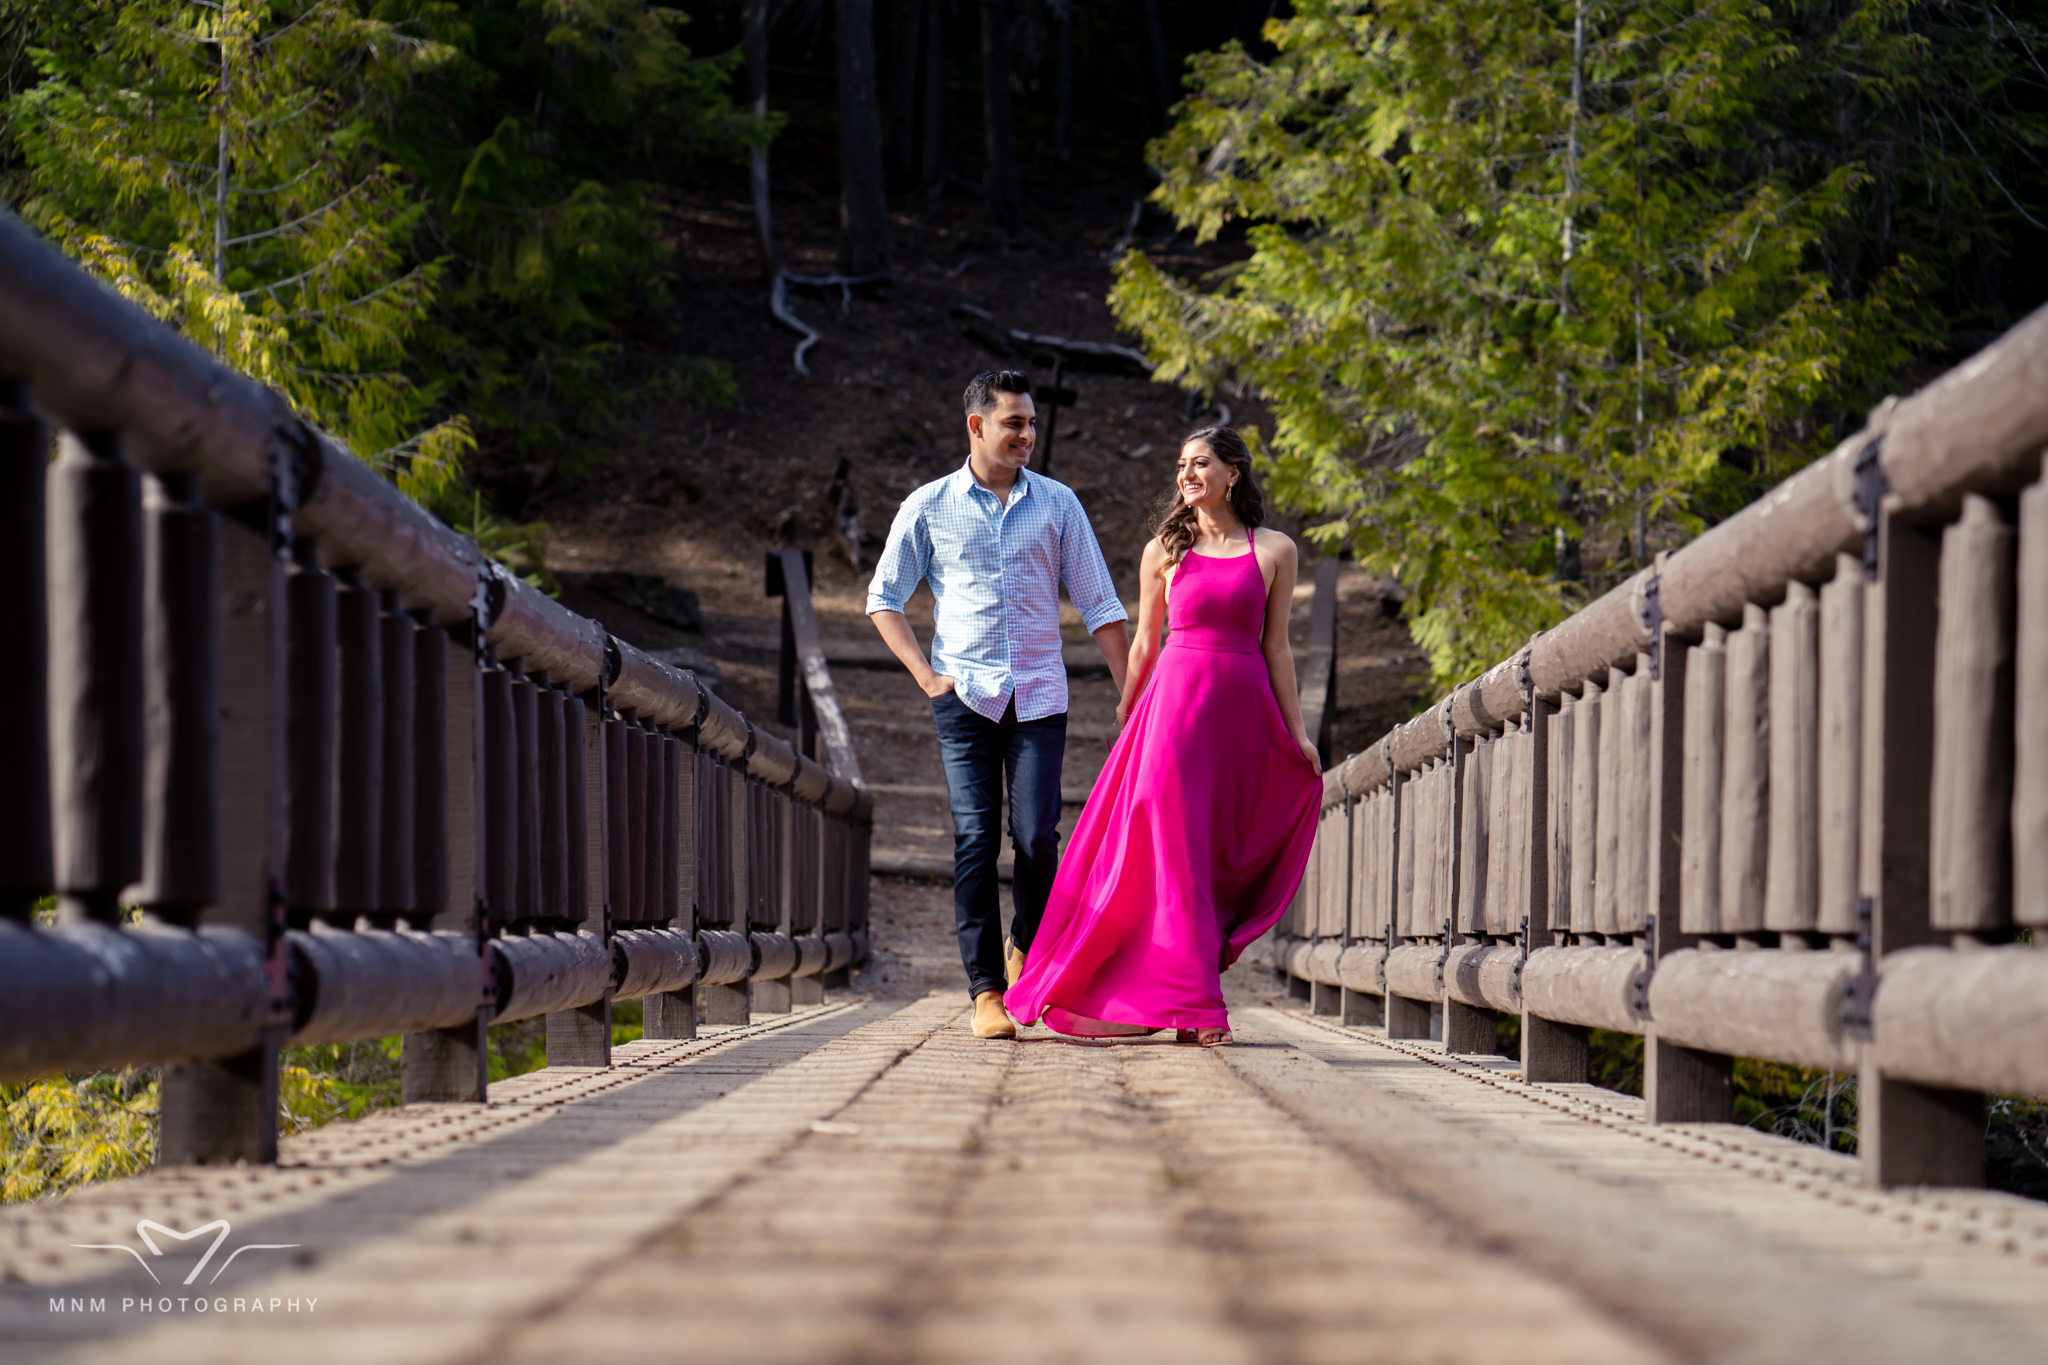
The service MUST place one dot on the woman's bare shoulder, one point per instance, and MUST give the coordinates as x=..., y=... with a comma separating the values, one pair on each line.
x=1154, y=554
x=1278, y=548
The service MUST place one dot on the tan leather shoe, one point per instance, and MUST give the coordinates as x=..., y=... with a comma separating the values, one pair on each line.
x=1013, y=963
x=991, y=1020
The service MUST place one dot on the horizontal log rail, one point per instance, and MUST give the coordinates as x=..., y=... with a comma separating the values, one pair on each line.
x=1782, y=795
x=357, y=779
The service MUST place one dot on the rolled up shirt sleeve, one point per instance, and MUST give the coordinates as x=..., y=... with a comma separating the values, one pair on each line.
x=905, y=560
x=1089, y=585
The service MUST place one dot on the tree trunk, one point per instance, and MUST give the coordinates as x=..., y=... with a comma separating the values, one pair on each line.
x=903, y=129
x=935, y=147
x=863, y=206
x=755, y=40
x=1158, y=92
x=999, y=180
x=1063, y=106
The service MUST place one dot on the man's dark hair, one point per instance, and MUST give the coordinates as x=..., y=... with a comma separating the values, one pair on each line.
x=983, y=388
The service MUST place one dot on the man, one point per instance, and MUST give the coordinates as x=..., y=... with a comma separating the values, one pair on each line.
x=996, y=542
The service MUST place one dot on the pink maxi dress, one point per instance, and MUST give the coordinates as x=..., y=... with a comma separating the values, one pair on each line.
x=1195, y=837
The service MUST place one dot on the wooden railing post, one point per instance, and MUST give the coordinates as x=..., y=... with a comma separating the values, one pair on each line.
x=807, y=681
x=498, y=829
x=359, y=752
x=1470, y=1029
x=581, y=1036
x=95, y=635
x=1680, y=1084
x=673, y=1014
x=722, y=880
x=225, y=1110
x=834, y=889
x=2030, y=715
x=238, y=709
x=24, y=689
x=765, y=912
x=451, y=1064
x=181, y=702
x=398, y=807
x=526, y=768
x=799, y=889
x=309, y=746
x=1907, y=1134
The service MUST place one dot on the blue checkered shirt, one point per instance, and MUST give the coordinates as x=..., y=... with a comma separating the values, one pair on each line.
x=995, y=571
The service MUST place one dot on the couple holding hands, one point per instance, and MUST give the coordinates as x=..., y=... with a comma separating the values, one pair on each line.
x=1199, y=827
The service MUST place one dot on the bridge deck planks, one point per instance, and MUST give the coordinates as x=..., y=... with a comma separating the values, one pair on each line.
x=867, y=1182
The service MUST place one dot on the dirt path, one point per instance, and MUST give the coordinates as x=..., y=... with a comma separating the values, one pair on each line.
x=698, y=497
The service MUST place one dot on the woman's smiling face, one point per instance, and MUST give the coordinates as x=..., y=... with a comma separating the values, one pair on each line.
x=1204, y=478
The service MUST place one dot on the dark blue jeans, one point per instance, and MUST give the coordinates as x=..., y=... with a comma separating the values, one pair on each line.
x=981, y=757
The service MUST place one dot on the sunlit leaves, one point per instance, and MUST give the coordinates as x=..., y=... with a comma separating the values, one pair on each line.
x=211, y=162
x=1489, y=318
x=60, y=1132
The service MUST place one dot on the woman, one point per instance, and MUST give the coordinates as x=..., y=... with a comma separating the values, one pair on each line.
x=1198, y=830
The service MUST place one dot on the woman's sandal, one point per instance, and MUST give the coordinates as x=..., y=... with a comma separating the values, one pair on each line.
x=1218, y=1037
x=1185, y=1035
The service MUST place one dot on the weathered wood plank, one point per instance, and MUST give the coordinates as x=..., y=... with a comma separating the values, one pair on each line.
x=2030, y=713
x=1792, y=863
x=1745, y=774
x=1635, y=901
x=1586, y=808
x=1973, y=717
x=1699, y=894
x=1841, y=746
x=1608, y=874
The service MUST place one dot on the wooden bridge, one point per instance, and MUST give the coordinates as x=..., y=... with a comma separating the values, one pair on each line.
x=1780, y=796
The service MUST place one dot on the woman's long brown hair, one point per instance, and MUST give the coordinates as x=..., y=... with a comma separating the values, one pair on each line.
x=1176, y=529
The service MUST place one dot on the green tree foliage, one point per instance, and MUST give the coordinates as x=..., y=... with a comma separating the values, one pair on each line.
x=213, y=161
x=409, y=215
x=1522, y=276
x=540, y=151
x=61, y=1132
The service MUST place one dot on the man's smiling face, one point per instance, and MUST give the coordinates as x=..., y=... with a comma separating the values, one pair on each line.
x=1005, y=437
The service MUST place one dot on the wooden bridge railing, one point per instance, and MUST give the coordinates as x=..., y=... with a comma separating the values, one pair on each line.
x=1782, y=795
x=359, y=780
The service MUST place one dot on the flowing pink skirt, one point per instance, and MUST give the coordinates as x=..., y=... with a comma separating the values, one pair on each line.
x=1191, y=845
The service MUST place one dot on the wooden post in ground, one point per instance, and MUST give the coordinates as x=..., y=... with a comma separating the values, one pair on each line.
x=1680, y=1084
x=1907, y=1134
x=24, y=689
x=575, y=816
x=1552, y=1053
x=1407, y=1018
x=726, y=1004
x=451, y=1064
x=762, y=910
x=1358, y=1009
x=800, y=853
x=721, y=904
x=1469, y=1029
x=673, y=1014
x=225, y=1110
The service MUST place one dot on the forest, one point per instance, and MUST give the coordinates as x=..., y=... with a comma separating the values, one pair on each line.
x=1523, y=292
x=1509, y=295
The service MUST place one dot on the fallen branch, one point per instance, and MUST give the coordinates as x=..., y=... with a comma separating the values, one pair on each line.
x=778, y=304
x=1106, y=356
x=1123, y=243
